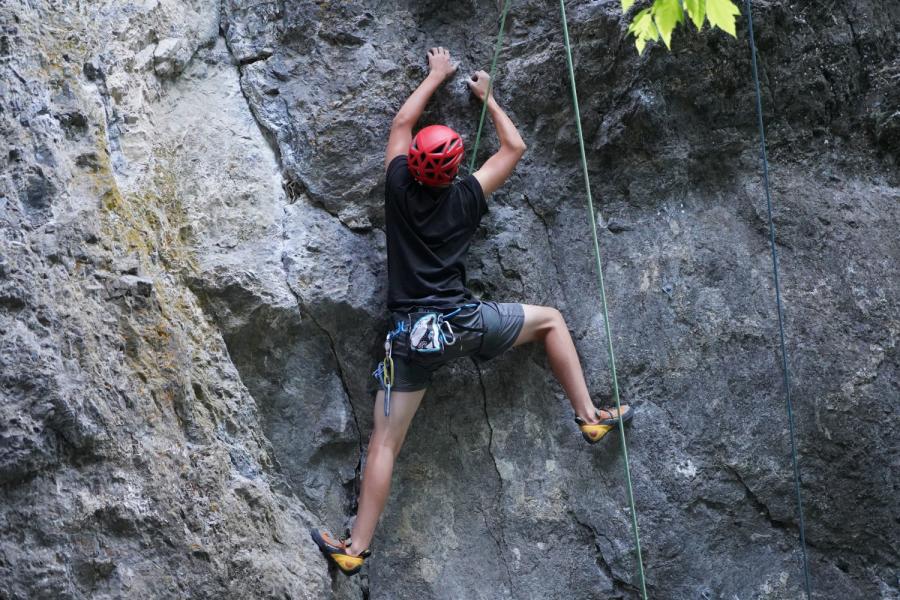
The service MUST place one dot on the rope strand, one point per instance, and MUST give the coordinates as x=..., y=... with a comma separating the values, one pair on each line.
x=497, y=48
x=784, y=363
x=612, y=358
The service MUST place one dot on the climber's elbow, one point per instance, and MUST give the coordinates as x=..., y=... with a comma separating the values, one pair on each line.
x=514, y=148
x=519, y=148
x=402, y=121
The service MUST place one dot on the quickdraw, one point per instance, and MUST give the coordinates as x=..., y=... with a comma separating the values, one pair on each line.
x=384, y=373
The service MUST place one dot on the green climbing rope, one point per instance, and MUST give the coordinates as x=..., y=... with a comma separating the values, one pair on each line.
x=609, y=347
x=497, y=47
x=785, y=372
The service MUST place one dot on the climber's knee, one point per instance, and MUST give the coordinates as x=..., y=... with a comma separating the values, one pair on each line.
x=539, y=321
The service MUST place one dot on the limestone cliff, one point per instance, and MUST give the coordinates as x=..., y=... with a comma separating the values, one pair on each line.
x=192, y=287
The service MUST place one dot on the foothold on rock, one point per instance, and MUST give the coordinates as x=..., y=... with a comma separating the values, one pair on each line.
x=88, y=161
x=38, y=192
x=170, y=56
x=92, y=71
x=74, y=123
x=616, y=226
x=887, y=132
x=129, y=285
x=130, y=266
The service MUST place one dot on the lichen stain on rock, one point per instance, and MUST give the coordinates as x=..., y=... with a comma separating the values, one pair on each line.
x=192, y=288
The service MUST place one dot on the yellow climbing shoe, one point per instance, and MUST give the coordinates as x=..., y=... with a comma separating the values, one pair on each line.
x=593, y=432
x=337, y=552
x=608, y=420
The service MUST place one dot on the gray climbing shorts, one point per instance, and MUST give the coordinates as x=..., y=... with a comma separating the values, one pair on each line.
x=497, y=327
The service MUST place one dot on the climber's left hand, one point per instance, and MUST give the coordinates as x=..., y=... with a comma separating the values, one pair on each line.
x=440, y=64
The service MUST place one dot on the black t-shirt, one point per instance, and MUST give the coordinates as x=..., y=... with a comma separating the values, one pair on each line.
x=428, y=234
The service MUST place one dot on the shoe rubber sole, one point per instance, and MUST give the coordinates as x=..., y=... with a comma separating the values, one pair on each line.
x=348, y=565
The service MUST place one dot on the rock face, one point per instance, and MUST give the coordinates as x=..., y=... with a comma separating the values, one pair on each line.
x=192, y=287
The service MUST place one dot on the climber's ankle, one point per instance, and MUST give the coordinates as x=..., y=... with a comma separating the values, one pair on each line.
x=589, y=417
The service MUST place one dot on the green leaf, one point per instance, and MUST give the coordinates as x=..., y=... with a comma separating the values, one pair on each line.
x=696, y=10
x=667, y=14
x=644, y=29
x=722, y=14
x=641, y=43
x=642, y=26
x=627, y=4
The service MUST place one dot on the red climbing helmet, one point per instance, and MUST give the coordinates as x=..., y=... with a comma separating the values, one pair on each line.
x=434, y=155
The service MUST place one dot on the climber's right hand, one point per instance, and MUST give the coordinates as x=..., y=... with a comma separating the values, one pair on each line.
x=479, y=83
x=439, y=63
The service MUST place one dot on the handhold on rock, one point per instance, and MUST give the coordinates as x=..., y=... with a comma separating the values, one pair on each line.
x=129, y=285
x=92, y=71
x=170, y=56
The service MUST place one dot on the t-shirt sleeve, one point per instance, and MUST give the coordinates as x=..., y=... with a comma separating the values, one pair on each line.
x=398, y=175
x=473, y=201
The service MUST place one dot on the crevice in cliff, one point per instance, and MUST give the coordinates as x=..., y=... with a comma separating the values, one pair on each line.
x=857, y=44
x=772, y=108
x=620, y=585
x=756, y=502
x=267, y=133
x=305, y=312
x=293, y=187
x=263, y=55
x=500, y=540
x=550, y=245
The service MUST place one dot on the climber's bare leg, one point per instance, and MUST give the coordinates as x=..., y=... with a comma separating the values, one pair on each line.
x=544, y=323
x=384, y=446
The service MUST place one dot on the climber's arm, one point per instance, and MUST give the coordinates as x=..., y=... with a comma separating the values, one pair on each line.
x=497, y=169
x=401, y=128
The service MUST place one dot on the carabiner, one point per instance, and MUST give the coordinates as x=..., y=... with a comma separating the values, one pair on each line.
x=449, y=337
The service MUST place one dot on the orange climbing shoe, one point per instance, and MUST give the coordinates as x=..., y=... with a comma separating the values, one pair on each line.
x=594, y=432
x=337, y=552
x=609, y=416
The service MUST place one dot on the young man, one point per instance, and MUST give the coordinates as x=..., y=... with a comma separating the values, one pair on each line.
x=430, y=221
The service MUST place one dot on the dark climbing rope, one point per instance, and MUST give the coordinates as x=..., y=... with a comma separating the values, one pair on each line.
x=609, y=346
x=784, y=363
x=490, y=85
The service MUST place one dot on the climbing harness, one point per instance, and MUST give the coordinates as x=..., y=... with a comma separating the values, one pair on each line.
x=420, y=337
x=609, y=346
x=764, y=159
x=497, y=48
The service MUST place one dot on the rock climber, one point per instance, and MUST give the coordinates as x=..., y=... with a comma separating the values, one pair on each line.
x=430, y=220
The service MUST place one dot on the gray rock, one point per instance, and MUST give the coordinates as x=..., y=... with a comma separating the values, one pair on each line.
x=192, y=288
x=170, y=56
